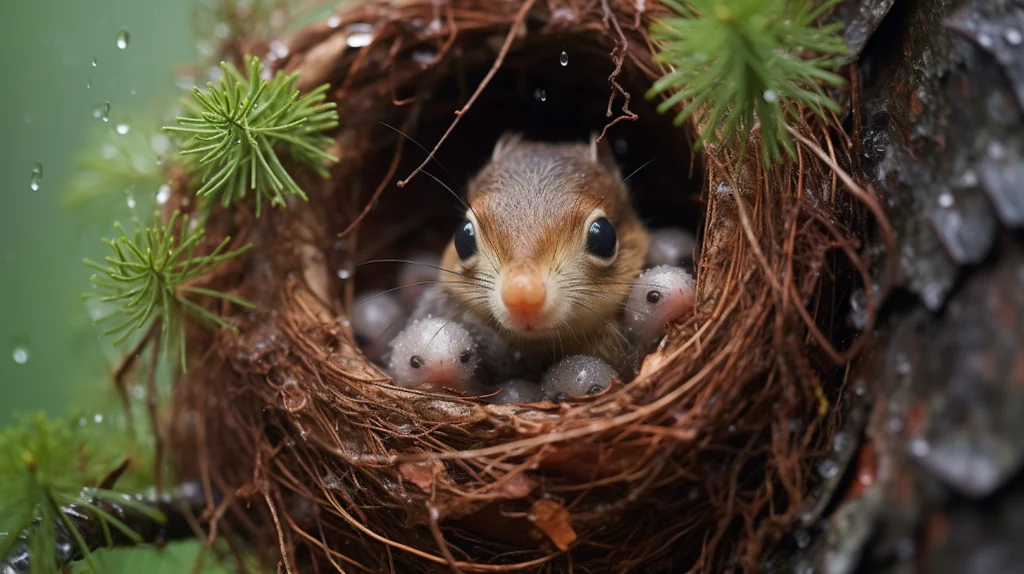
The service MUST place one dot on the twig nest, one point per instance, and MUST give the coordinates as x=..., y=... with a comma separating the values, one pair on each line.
x=701, y=462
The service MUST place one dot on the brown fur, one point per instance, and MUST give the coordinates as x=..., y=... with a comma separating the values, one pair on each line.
x=531, y=204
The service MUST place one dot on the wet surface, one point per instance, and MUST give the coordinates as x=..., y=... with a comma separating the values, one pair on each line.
x=937, y=482
x=860, y=19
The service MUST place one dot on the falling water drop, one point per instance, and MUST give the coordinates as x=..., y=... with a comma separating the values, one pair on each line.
x=771, y=96
x=36, y=179
x=122, y=39
x=123, y=128
x=20, y=354
x=102, y=112
x=946, y=199
x=130, y=201
x=88, y=84
x=95, y=62
x=334, y=21
x=828, y=468
x=563, y=59
x=1013, y=36
x=541, y=95
x=163, y=194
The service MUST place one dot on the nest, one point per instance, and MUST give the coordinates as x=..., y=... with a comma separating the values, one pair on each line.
x=702, y=462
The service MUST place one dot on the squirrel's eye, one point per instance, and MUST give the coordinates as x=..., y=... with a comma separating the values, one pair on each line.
x=465, y=240
x=601, y=239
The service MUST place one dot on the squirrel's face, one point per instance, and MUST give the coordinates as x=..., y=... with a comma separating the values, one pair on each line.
x=549, y=246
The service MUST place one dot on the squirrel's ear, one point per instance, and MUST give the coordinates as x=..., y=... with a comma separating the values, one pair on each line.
x=601, y=153
x=507, y=141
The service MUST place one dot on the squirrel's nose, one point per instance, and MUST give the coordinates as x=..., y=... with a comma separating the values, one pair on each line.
x=523, y=293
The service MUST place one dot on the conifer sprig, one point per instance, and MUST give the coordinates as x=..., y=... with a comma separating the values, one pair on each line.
x=235, y=128
x=48, y=473
x=734, y=63
x=149, y=277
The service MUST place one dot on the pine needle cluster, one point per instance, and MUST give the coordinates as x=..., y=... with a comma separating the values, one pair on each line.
x=734, y=64
x=235, y=128
x=150, y=277
x=48, y=472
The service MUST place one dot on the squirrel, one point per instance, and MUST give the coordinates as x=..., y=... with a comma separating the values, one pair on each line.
x=541, y=266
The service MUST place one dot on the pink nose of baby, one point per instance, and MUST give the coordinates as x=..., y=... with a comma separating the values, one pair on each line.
x=523, y=294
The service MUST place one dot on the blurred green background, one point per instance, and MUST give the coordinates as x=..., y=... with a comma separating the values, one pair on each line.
x=51, y=356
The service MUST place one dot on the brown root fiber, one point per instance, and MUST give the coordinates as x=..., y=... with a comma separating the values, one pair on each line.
x=701, y=463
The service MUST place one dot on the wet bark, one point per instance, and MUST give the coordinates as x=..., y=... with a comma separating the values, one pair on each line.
x=936, y=482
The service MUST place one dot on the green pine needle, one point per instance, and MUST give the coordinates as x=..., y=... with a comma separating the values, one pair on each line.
x=149, y=277
x=235, y=129
x=48, y=469
x=734, y=63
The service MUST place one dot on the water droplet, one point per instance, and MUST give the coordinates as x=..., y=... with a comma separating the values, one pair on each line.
x=332, y=482
x=841, y=441
x=996, y=150
x=903, y=365
x=860, y=387
x=334, y=21
x=130, y=201
x=969, y=178
x=278, y=50
x=123, y=128
x=828, y=468
x=221, y=30
x=88, y=83
x=20, y=354
x=122, y=39
x=163, y=194
x=771, y=96
x=344, y=273
x=102, y=112
x=985, y=40
x=95, y=62
x=36, y=178
x=895, y=424
x=360, y=35
x=563, y=59
x=1013, y=36
x=540, y=95
x=946, y=199
x=802, y=538
x=858, y=309
x=919, y=447
x=423, y=57
x=98, y=418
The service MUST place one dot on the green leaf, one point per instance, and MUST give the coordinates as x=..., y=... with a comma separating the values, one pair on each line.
x=234, y=130
x=734, y=64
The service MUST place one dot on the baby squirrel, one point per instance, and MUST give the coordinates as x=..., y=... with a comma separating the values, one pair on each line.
x=546, y=255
